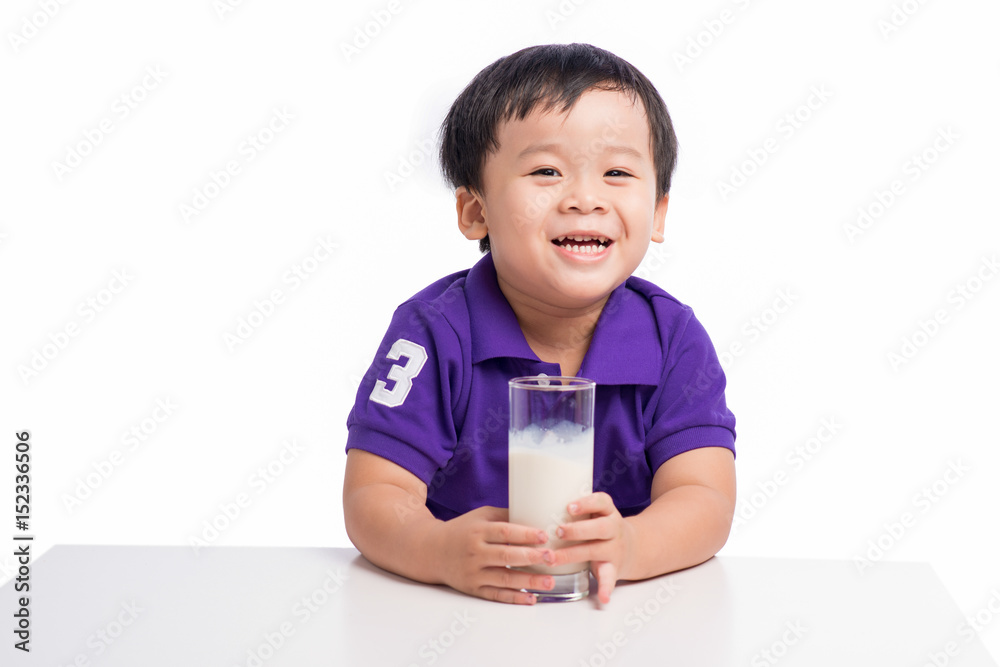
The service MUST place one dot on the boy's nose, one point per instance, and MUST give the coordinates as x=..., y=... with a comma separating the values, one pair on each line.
x=582, y=196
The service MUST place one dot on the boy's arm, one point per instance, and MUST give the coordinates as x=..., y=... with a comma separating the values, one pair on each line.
x=693, y=501
x=387, y=520
x=688, y=521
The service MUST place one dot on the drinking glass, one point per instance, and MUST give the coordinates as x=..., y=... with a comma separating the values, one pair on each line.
x=551, y=464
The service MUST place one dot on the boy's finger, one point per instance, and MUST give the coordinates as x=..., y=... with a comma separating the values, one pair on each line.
x=600, y=528
x=515, y=580
x=578, y=553
x=595, y=503
x=607, y=577
x=512, y=533
x=513, y=556
x=506, y=595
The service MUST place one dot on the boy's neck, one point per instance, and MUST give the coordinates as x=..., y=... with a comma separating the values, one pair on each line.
x=556, y=335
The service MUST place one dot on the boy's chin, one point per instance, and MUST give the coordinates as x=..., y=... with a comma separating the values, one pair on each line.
x=579, y=294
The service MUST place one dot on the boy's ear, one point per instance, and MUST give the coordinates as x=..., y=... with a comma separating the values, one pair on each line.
x=471, y=214
x=659, y=219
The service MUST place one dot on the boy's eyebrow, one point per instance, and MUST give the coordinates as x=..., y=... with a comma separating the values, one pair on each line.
x=538, y=148
x=554, y=148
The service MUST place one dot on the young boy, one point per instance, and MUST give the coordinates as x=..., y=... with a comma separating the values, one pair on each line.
x=561, y=157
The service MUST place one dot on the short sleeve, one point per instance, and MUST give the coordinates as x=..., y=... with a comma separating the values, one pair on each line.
x=689, y=408
x=403, y=409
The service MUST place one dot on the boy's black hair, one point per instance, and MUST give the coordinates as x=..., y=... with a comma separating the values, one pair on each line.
x=551, y=75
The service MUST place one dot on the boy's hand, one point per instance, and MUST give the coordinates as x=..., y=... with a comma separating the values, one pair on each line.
x=608, y=540
x=476, y=549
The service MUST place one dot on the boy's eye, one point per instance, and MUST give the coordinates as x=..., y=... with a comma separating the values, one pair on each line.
x=545, y=171
x=617, y=172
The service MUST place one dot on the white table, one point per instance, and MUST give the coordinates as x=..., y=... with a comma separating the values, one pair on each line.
x=142, y=606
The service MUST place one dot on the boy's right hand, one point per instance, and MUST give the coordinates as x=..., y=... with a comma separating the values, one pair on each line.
x=477, y=548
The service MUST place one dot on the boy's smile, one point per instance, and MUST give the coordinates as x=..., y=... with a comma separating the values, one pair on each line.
x=569, y=203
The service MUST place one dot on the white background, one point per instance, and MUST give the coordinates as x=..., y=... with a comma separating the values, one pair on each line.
x=889, y=91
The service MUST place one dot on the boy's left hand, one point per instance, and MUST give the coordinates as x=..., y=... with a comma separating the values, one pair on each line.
x=607, y=540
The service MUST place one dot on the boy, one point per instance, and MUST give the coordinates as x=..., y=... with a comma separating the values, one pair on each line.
x=561, y=157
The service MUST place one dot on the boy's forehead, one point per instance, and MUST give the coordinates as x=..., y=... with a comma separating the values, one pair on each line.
x=615, y=118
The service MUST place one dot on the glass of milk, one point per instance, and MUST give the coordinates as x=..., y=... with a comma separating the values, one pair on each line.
x=551, y=464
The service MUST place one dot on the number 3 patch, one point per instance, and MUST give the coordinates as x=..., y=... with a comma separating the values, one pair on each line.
x=416, y=357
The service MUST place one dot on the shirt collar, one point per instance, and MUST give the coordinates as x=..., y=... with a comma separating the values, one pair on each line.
x=625, y=348
x=494, y=327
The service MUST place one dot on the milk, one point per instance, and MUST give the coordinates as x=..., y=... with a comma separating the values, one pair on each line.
x=548, y=470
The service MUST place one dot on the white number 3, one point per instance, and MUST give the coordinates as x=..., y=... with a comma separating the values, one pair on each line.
x=416, y=356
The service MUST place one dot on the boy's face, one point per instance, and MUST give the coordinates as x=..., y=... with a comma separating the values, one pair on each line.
x=557, y=178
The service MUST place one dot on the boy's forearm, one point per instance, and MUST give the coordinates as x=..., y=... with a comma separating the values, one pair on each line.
x=681, y=528
x=394, y=530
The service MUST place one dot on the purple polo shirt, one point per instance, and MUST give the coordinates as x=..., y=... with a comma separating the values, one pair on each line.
x=435, y=400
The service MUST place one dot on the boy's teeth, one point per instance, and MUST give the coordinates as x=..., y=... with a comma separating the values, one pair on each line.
x=586, y=250
x=579, y=239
